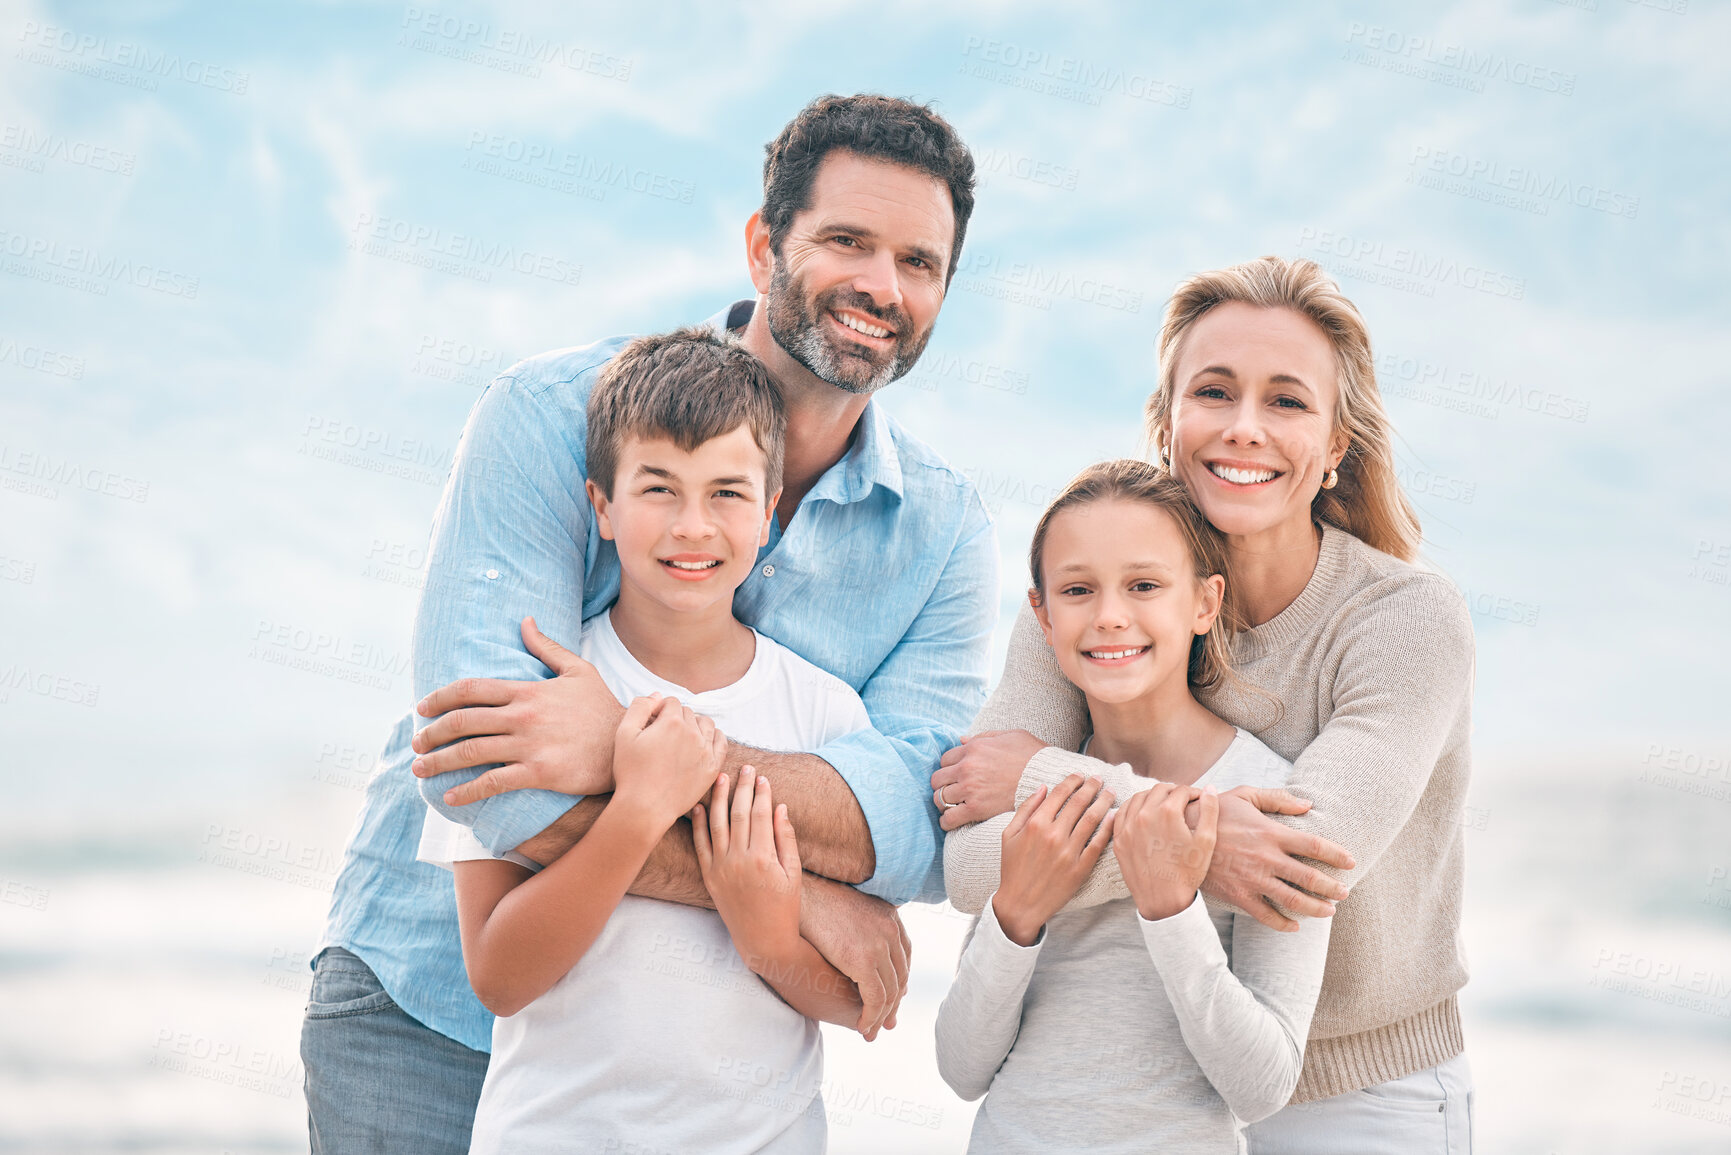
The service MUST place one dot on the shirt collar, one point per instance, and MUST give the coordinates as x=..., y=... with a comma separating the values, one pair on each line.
x=870, y=461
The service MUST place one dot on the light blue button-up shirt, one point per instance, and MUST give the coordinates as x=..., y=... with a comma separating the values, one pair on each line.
x=886, y=576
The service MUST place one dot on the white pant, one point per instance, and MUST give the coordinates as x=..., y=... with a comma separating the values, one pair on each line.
x=1428, y=1112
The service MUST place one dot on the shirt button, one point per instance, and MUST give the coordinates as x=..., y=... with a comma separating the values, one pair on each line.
x=768, y=571
x=492, y=575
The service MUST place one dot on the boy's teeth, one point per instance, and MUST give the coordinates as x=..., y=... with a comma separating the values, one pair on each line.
x=861, y=326
x=694, y=564
x=1242, y=476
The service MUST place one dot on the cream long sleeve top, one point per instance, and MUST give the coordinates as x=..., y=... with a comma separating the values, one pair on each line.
x=1366, y=687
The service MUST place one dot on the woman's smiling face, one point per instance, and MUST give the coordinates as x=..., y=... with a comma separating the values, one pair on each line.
x=1253, y=431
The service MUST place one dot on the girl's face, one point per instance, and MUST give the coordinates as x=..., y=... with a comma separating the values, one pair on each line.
x=1122, y=600
x=1253, y=431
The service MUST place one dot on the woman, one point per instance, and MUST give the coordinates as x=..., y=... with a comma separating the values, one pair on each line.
x=1356, y=666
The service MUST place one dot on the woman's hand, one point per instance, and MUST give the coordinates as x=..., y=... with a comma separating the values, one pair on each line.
x=977, y=779
x=751, y=866
x=1049, y=847
x=1163, y=860
x=665, y=757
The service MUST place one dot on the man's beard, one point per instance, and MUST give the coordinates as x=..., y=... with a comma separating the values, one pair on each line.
x=796, y=323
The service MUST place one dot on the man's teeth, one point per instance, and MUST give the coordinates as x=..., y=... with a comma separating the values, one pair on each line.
x=1109, y=655
x=694, y=564
x=1243, y=476
x=860, y=326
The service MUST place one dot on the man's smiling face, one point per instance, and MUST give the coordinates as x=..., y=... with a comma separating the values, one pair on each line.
x=859, y=277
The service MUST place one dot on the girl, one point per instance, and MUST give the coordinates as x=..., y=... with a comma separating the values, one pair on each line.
x=1152, y=1022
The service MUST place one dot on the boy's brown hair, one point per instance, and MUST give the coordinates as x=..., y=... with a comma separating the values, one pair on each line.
x=690, y=386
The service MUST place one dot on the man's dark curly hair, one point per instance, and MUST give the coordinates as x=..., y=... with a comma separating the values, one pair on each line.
x=872, y=126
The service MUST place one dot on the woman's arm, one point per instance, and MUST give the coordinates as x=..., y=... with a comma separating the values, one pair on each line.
x=971, y=853
x=1400, y=690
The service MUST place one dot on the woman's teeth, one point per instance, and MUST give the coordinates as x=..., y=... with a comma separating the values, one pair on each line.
x=1242, y=476
x=859, y=326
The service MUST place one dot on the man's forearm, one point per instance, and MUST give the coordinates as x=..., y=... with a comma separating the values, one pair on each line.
x=669, y=873
x=834, y=837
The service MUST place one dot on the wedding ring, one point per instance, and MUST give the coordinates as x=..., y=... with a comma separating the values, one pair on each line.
x=945, y=803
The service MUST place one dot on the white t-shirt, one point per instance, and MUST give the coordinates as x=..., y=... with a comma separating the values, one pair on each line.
x=661, y=1039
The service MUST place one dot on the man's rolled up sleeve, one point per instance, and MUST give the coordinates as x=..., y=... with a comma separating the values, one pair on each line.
x=920, y=700
x=510, y=540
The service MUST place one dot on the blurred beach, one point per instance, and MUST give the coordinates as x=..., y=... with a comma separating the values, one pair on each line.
x=153, y=990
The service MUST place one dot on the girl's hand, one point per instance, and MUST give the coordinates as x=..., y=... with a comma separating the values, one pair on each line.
x=750, y=864
x=1049, y=847
x=664, y=758
x=1163, y=860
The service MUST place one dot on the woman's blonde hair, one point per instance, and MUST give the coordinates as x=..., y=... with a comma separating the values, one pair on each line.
x=1368, y=501
x=1128, y=479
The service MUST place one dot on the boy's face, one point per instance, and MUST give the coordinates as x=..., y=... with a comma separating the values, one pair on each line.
x=687, y=524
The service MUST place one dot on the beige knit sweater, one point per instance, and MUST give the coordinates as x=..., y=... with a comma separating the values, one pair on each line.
x=1372, y=668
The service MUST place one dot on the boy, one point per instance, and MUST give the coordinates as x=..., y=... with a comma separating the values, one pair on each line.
x=623, y=1018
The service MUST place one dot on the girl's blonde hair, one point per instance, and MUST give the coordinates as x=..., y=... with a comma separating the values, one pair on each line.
x=1368, y=501
x=1128, y=479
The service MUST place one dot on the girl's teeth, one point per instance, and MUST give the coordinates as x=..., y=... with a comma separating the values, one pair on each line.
x=1242, y=476
x=1109, y=655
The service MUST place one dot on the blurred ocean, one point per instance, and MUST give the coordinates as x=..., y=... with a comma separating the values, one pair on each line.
x=152, y=986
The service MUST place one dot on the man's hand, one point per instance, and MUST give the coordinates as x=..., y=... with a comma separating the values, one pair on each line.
x=552, y=734
x=977, y=779
x=864, y=939
x=1256, y=865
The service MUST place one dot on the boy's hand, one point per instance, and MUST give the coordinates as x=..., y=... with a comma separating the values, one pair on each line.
x=750, y=863
x=1163, y=860
x=664, y=758
x=1049, y=847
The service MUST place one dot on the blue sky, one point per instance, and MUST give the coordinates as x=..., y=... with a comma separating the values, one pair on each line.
x=1526, y=200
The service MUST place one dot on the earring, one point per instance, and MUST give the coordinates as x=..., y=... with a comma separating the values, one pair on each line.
x=1332, y=479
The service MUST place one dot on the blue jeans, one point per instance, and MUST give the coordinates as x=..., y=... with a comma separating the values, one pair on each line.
x=1428, y=1112
x=378, y=1082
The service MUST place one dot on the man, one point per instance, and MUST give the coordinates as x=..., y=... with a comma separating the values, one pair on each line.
x=881, y=568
